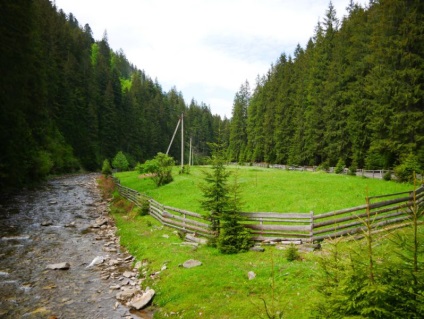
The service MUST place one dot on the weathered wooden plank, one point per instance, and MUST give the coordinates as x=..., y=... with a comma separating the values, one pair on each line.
x=278, y=239
x=184, y=212
x=362, y=215
x=279, y=233
x=276, y=215
x=278, y=227
x=298, y=221
x=353, y=231
x=167, y=214
x=357, y=222
x=186, y=226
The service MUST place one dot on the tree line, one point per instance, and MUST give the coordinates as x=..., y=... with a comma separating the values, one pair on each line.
x=68, y=102
x=355, y=94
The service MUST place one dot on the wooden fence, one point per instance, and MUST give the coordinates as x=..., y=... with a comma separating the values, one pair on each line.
x=294, y=227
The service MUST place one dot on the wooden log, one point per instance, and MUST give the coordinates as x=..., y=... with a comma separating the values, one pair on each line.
x=269, y=233
x=357, y=222
x=303, y=221
x=184, y=212
x=351, y=217
x=277, y=215
x=278, y=227
x=276, y=239
x=353, y=231
x=186, y=226
x=166, y=214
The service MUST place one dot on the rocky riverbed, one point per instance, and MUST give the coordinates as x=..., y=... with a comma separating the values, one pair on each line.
x=60, y=257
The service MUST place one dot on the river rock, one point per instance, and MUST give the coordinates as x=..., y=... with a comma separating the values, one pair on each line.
x=60, y=266
x=129, y=274
x=99, y=222
x=144, y=300
x=126, y=294
x=191, y=263
x=97, y=260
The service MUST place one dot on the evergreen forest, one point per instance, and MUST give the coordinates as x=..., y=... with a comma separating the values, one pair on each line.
x=68, y=102
x=355, y=94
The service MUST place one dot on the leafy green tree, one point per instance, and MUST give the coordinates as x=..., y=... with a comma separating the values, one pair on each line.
x=161, y=168
x=120, y=161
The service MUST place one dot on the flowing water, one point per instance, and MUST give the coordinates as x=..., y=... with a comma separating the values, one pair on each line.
x=52, y=225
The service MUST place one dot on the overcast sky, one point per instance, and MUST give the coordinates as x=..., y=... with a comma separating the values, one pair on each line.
x=205, y=48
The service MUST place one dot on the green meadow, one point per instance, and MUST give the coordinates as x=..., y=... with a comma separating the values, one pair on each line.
x=269, y=190
x=220, y=287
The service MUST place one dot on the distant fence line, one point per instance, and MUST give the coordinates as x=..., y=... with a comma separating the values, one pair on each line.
x=293, y=227
x=359, y=172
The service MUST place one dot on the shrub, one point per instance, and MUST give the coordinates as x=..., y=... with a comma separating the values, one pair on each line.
x=145, y=207
x=339, y=167
x=120, y=162
x=387, y=176
x=160, y=167
x=405, y=171
x=292, y=253
x=324, y=166
x=106, y=169
x=353, y=168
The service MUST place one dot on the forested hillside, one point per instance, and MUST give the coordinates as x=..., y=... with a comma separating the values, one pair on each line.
x=69, y=102
x=355, y=93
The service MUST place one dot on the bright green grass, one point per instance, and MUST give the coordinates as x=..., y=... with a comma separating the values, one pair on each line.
x=219, y=288
x=270, y=190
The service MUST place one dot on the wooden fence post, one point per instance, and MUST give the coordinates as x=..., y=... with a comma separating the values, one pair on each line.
x=311, y=232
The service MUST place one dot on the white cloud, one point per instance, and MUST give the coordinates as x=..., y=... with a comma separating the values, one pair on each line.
x=206, y=48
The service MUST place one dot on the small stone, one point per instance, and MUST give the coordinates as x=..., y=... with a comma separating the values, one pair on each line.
x=251, y=275
x=129, y=274
x=97, y=260
x=59, y=266
x=115, y=287
x=191, y=263
x=141, y=302
x=126, y=294
x=47, y=223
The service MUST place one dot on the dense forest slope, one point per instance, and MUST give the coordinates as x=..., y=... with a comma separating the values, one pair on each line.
x=69, y=102
x=355, y=94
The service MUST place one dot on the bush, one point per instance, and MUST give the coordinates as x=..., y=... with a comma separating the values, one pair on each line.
x=145, y=207
x=292, y=253
x=120, y=162
x=387, y=176
x=339, y=167
x=106, y=169
x=160, y=167
x=324, y=166
x=405, y=171
x=353, y=168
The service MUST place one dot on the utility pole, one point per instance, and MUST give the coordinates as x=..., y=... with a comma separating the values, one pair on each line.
x=182, y=142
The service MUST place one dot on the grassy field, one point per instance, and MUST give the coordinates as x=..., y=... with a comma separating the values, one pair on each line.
x=220, y=288
x=270, y=190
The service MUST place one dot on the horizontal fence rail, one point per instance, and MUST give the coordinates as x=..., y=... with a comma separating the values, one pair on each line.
x=293, y=227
